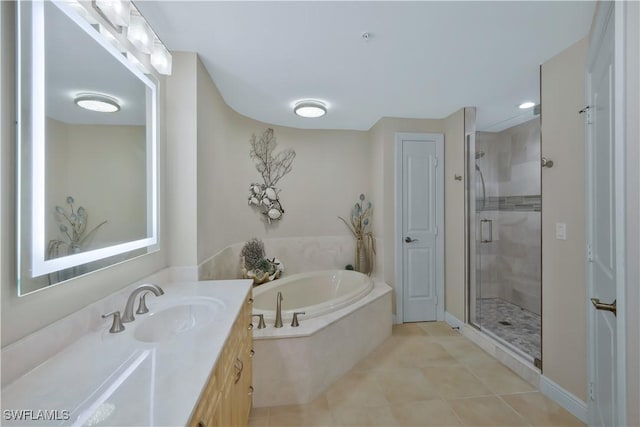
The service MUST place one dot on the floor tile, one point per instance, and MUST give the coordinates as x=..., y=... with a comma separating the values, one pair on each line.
x=418, y=353
x=319, y=404
x=363, y=416
x=259, y=412
x=438, y=329
x=356, y=389
x=426, y=413
x=407, y=329
x=297, y=420
x=425, y=374
x=258, y=422
x=540, y=410
x=486, y=411
x=455, y=382
x=406, y=385
x=467, y=353
x=500, y=379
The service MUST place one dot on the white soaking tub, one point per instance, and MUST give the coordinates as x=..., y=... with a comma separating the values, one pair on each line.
x=315, y=293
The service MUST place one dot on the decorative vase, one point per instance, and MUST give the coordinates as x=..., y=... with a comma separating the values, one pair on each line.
x=361, y=256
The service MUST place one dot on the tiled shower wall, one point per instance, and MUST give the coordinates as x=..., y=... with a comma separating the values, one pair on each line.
x=510, y=265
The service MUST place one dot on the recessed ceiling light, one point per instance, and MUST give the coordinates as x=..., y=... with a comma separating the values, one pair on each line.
x=526, y=105
x=97, y=102
x=310, y=108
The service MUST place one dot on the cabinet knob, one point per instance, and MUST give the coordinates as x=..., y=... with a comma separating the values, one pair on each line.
x=250, y=390
x=202, y=424
x=250, y=327
x=250, y=301
x=251, y=353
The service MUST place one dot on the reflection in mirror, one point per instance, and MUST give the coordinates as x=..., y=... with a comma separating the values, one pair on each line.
x=87, y=170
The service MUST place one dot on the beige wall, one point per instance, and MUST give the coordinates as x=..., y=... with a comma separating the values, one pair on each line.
x=454, y=218
x=329, y=172
x=181, y=187
x=564, y=320
x=21, y=316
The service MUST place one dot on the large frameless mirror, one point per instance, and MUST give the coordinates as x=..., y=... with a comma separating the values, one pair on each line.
x=87, y=167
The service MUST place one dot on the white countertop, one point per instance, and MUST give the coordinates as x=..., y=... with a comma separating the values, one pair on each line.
x=116, y=380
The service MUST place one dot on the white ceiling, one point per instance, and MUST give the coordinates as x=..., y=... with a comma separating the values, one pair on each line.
x=424, y=59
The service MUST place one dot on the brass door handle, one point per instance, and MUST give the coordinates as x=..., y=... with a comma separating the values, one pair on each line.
x=606, y=307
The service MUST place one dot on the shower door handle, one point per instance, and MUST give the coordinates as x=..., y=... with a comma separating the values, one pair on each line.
x=490, y=239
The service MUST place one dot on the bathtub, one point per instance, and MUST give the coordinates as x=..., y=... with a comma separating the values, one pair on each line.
x=348, y=315
x=315, y=293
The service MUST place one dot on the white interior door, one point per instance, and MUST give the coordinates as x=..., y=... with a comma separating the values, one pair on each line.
x=604, y=229
x=422, y=226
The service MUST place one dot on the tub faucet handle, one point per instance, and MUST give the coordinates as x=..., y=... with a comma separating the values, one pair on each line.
x=294, y=322
x=261, y=324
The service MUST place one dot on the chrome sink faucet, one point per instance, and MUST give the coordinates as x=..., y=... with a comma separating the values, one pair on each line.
x=279, y=299
x=127, y=316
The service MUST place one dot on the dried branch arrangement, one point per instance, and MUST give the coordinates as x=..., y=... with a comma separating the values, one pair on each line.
x=272, y=167
x=75, y=229
x=360, y=227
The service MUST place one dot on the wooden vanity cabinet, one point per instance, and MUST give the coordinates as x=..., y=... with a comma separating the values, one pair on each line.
x=226, y=399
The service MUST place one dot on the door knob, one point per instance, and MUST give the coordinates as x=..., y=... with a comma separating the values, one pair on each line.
x=606, y=307
x=410, y=240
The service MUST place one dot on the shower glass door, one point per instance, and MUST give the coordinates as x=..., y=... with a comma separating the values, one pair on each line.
x=504, y=235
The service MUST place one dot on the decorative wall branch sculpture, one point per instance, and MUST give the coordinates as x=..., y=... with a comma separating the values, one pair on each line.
x=272, y=167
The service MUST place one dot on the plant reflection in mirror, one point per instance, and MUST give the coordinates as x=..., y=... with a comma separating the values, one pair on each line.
x=272, y=168
x=74, y=227
x=360, y=227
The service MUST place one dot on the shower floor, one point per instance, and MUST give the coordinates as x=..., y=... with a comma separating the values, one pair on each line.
x=517, y=326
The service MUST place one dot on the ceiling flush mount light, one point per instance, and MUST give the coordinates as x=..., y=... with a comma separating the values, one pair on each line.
x=526, y=105
x=310, y=108
x=97, y=102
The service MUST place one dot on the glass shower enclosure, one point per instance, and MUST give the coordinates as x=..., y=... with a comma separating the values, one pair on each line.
x=504, y=235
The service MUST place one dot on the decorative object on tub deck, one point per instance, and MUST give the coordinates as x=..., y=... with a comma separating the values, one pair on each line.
x=255, y=265
x=74, y=227
x=272, y=168
x=360, y=227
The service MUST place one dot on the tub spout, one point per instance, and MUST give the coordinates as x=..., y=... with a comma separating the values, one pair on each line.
x=279, y=310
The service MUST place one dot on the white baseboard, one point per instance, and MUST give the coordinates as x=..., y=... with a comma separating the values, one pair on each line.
x=453, y=321
x=564, y=398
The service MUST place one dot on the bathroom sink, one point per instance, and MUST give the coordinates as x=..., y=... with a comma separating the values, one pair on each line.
x=180, y=318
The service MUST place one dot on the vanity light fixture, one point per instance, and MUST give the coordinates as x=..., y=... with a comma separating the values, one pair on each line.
x=117, y=12
x=161, y=58
x=80, y=9
x=97, y=102
x=310, y=108
x=526, y=105
x=135, y=61
x=139, y=33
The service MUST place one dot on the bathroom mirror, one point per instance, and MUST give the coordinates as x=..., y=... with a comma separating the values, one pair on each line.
x=87, y=180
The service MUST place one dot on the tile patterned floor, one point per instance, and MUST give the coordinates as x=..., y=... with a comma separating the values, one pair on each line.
x=523, y=328
x=425, y=374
